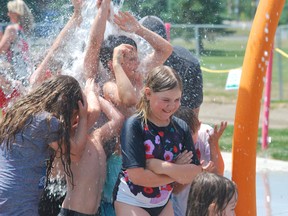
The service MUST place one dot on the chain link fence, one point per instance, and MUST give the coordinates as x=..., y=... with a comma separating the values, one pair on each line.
x=221, y=48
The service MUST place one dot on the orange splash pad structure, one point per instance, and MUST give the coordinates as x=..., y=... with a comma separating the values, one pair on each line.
x=250, y=91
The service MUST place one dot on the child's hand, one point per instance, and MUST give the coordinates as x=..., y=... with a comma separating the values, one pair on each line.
x=209, y=167
x=184, y=157
x=98, y=3
x=217, y=133
x=83, y=107
x=127, y=22
x=120, y=52
x=77, y=5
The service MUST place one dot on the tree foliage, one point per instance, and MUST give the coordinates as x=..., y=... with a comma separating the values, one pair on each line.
x=39, y=8
x=174, y=11
x=198, y=11
x=143, y=8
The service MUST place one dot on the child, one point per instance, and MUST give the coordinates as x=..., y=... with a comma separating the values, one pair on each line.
x=14, y=43
x=212, y=195
x=154, y=133
x=83, y=197
x=14, y=51
x=205, y=138
x=55, y=188
x=39, y=126
x=119, y=55
x=207, y=149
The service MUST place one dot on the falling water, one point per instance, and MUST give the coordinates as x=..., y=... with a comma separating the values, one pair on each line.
x=72, y=57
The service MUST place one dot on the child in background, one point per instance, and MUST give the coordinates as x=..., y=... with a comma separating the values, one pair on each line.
x=13, y=43
x=15, y=64
x=212, y=195
x=206, y=139
x=50, y=121
x=151, y=140
x=207, y=149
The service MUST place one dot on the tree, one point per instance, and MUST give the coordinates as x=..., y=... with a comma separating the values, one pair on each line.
x=143, y=8
x=198, y=11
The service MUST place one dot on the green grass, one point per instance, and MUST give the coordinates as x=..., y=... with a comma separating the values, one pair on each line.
x=223, y=54
x=277, y=149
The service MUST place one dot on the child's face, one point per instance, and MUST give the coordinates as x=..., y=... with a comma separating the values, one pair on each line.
x=230, y=208
x=13, y=16
x=131, y=62
x=163, y=104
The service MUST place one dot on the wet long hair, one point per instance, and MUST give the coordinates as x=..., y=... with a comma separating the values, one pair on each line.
x=159, y=79
x=25, y=15
x=59, y=96
x=208, y=188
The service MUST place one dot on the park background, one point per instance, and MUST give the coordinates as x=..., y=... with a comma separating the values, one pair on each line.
x=216, y=31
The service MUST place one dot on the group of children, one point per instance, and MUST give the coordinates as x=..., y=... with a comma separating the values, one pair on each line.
x=140, y=129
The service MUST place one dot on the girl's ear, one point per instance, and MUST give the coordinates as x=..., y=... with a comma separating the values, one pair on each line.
x=212, y=209
x=147, y=92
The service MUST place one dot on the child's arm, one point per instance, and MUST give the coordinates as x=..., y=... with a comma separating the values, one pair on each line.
x=181, y=173
x=98, y=27
x=215, y=154
x=39, y=74
x=147, y=178
x=91, y=92
x=126, y=91
x=157, y=179
x=1, y=32
x=7, y=38
x=162, y=48
x=116, y=119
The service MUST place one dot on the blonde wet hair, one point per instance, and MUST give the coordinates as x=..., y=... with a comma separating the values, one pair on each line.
x=26, y=19
x=159, y=79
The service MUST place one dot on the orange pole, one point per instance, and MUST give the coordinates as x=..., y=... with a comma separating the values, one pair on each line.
x=249, y=101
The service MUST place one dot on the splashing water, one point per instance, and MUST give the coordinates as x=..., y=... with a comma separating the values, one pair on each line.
x=72, y=57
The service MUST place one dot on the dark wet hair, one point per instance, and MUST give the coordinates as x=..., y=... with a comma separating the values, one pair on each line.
x=108, y=45
x=189, y=116
x=208, y=188
x=154, y=24
x=59, y=96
